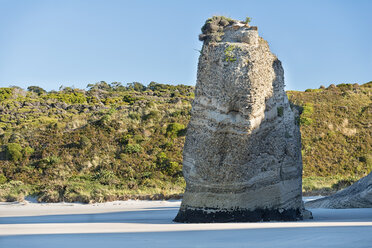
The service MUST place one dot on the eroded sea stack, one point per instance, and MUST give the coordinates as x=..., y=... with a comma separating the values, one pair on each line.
x=242, y=154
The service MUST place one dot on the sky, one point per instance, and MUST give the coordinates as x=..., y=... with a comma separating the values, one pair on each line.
x=77, y=42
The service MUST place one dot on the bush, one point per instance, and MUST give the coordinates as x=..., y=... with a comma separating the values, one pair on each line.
x=124, y=140
x=28, y=151
x=51, y=160
x=13, y=191
x=166, y=166
x=307, y=111
x=51, y=193
x=70, y=97
x=229, y=54
x=134, y=116
x=367, y=159
x=129, y=99
x=77, y=192
x=129, y=148
x=173, y=168
x=13, y=151
x=136, y=86
x=5, y=93
x=106, y=177
x=345, y=86
x=152, y=115
x=3, y=179
x=104, y=121
x=247, y=20
x=175, y=129
x=84, y=142
x=38, y=90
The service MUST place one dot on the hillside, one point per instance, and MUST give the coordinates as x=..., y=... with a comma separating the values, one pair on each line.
x=336, y=128
x=118, y=142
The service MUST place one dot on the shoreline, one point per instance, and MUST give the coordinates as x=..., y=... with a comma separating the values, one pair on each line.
x=154, y=197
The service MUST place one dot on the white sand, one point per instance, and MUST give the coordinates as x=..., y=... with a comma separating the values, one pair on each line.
x=149, y=224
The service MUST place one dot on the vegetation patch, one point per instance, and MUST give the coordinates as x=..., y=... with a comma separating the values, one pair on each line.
x=112, y=142
x=229, y=54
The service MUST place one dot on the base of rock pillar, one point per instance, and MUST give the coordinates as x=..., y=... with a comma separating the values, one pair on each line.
x=206, y=215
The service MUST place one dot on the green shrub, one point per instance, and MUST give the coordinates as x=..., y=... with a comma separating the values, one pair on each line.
x=28, y=151
x=138, y=138
x=13, y=191
x=229, y=54
x=14, y=151
x=124, y=140
x=152, y=115
x=77, y=192
x=307, y=111
x=106, y=177
x=129, y=99
x=167, y=166
x=104, y=121
x=161, y=157
x=130, y=148
x=84, y=142
x=345, y=86
x=314, y=90
x=367, y=159
x=134, y=116
x=136, y=86
x=175, y=129
x=70, y=97
x=247, y=20
x=305, y=121
x=51, y=160
x=5, y=93
x=172, y=168
x=3, y=179
x=38, y=90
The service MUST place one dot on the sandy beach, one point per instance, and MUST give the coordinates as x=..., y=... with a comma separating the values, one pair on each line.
x=149, y=224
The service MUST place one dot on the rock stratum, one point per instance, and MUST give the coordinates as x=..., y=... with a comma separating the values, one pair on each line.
x=242, y=155
x=358, y=195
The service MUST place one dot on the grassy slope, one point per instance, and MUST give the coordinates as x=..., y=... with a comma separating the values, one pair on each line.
x=115, y=142
x=336, y=135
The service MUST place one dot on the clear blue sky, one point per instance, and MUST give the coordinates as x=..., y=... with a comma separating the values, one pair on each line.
x=76, y=42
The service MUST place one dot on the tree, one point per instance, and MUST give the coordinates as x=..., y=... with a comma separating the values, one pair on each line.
x=38, y=90
x=99, y=86
x=136, y=86
x=117, y=86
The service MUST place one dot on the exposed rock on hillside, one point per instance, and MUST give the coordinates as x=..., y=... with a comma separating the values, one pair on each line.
x=358, y=195
x=242, y=154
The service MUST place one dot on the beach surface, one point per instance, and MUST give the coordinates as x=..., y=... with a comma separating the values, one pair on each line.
x=150, y=224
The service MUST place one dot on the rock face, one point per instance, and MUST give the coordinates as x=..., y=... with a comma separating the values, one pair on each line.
x=242, y=155
x=358, y=195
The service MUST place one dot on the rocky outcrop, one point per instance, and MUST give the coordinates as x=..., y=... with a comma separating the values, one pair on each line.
x=358, y=195
x=242, y=154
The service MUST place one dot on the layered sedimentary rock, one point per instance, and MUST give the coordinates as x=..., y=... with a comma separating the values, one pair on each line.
x=358, y=195
x=242, y=154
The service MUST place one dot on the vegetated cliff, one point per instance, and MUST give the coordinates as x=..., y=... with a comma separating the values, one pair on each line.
x=118, y=142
